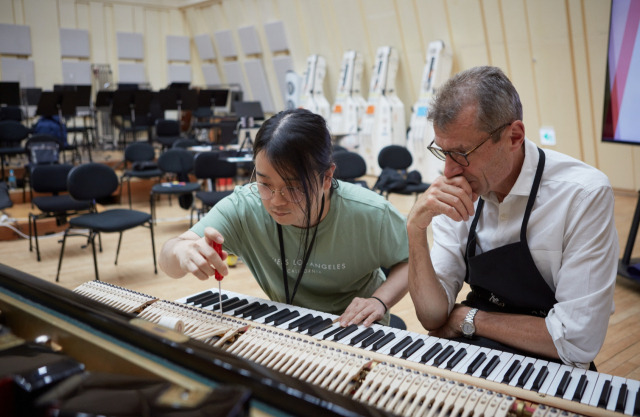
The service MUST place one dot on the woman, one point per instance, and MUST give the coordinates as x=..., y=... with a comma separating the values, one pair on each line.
x=308, y=239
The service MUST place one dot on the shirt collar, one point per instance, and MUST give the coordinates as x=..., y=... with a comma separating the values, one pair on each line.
x=522, y=186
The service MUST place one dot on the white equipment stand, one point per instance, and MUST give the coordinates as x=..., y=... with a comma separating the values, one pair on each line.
x=349, y=107
x=313, y=98
x=384, y=120
x=436, y=71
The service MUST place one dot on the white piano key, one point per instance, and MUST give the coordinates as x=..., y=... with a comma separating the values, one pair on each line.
x=472, y=351
x=594, y=394
x=504, y=357
x=523, y=367
x=552, y=369
x=429, y=341
x=633, y=387
x=499, y=377
x=400, y=334
x=616, y=384
x=592, y=378
x=552, y=388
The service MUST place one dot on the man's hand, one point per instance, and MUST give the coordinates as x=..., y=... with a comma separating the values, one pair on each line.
x=452, y=197
x=362, y=310
x=451, y=329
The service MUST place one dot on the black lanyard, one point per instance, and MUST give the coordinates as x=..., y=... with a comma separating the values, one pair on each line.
x=285, y=278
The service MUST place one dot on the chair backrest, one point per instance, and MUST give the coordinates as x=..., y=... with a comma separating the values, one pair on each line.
x=176, y=161
x=228, y=132
x=395, y=157
x=166, y=127
x=12, y=131
x=92, y=181
x=139, y=152
x=185, y=143
x=209, y=165
x=11, y=113
x=349, y=165
x=43, y=149
x=50, y=178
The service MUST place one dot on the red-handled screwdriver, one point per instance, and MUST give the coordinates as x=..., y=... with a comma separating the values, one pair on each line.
x=218, y=248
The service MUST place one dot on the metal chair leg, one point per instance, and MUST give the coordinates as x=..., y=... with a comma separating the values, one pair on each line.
x=118, y=249
x=64, y=239
x=153, y=248
x=93, y=247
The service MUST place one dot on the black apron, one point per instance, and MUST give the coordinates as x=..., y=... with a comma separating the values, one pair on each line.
x=506, y=279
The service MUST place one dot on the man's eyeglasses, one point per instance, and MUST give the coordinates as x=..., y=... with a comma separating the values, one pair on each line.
x=459, y=157
x=291, y=194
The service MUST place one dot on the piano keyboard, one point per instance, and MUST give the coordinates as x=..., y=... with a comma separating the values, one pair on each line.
x=390, y=368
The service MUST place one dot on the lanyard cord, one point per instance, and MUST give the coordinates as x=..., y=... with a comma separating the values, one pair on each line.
x=304, y=261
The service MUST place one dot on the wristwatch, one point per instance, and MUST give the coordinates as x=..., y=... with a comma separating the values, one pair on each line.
x=467, y=326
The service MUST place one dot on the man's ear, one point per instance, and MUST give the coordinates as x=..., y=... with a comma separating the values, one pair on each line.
x=516, y=134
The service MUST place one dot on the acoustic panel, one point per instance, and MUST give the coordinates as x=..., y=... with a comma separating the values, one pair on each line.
x=15, y=39
x=179, y=73
x=178, y=48
x=74, y=43
x=131, y=73
x=130, y=45
x=258, y=83
x=211, y=75
x=233, y=74
x=20, y=70
x=78, y=73
x=276, y=36
x=282, y=65
x=249, y=40
x=226, y=46
x=205, y=46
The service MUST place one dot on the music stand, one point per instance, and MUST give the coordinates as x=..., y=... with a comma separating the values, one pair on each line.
x=104, y=98
x=10, y=93
x=178, y=99
x=131, y=103
x=247, y=112
x=30, y=98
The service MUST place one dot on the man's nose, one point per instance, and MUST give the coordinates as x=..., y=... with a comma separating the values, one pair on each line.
x=452, y=168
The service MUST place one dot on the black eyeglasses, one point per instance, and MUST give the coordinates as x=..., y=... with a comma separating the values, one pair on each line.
x=459, y=157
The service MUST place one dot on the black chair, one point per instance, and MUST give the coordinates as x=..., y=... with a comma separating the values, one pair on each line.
x=185, y=143
x=396, y=158
x=94, y=181
x=41, y=150
x=11, y=113
x=12, y=133
x=167, y=132
x=52, y=179
x=349, y=167
x=208, y=166
x=139, y=162
x=175, y=163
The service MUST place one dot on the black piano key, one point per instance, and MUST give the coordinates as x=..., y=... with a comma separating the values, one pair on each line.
x=306, y=325
x=246, y=308
x=343, y=332
x=582, y=386
x=511, y=372
x=526, y=374
x=401, y=345
x=277, y=315
x=431, y=352
x=234, y=305
x=564, y=383
x=258, y=314
x=208, y=300
x=456, y=358
x=413, y=348
x=604, y=394
x=621, y=402
x=287, y=317
x=475, y=364
x=540, y=378
x=200, y=296
x=216, y=306
x=255, y=309
x=448, y=351
x=318, y=327
x=372, y=339
x=300, y=321
x=383, y=341
x=361, y=336
x=337, y=330
x=225, y=303
x=636, y=406
x=493, y=362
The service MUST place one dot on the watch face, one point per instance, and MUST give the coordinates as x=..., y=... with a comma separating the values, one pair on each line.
x=468, y=328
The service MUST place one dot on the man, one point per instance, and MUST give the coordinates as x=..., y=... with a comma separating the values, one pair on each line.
x=531, y=232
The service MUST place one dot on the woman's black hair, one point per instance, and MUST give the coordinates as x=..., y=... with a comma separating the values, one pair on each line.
x=298, y=145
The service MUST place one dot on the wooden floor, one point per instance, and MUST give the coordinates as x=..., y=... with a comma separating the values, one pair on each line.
x=620, y=354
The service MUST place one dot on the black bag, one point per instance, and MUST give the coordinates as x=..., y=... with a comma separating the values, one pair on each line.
x=5, y=198
x=390, y=180
x=144, y=166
